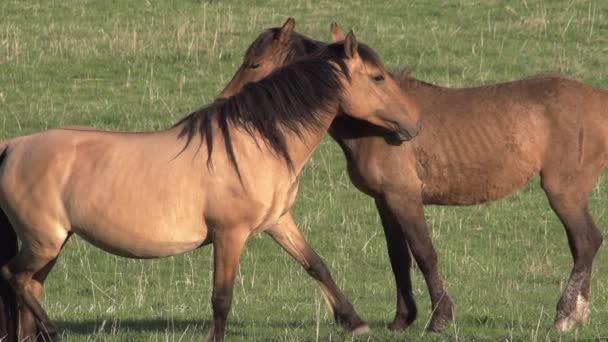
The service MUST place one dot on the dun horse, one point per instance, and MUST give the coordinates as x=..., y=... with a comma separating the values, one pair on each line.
x=547, y=125
x=156, y=194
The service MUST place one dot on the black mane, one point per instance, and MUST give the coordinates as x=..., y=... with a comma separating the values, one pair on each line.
x=291, y=98
x=299, y=47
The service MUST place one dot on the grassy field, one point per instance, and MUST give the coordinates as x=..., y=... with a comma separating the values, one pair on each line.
x=141, y=65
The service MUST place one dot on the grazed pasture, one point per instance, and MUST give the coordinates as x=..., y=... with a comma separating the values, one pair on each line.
x=141, y=65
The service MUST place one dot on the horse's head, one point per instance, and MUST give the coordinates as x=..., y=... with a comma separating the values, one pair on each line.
x=370, y=93
x=277, y=47
x=271, y=50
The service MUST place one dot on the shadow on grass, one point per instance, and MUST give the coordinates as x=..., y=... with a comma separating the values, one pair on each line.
x=159, y=325
x=110, y=326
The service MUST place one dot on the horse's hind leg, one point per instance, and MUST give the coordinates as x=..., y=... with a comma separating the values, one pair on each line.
x=26, y=274
x=568, y=198
x=288, y=235
x=8, y=303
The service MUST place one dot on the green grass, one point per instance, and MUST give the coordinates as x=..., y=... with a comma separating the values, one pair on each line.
x=141, y=65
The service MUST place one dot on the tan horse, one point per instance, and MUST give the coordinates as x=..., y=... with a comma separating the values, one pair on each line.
x=546, y=124
x=156, y=194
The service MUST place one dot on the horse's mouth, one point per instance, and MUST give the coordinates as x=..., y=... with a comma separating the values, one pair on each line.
x=403, y=135
x=407, y=133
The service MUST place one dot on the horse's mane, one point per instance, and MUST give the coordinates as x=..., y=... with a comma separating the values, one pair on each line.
x=290, y=98
x=406, y=76
x=299, y=47
x=403, y=74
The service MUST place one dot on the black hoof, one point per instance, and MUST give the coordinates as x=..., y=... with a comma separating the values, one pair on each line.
x=401, y=322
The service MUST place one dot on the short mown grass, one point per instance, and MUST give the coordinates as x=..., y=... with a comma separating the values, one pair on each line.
x=141, y=65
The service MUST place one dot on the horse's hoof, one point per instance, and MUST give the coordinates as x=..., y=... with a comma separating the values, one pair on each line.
x=564, y=324
x=361, y=329
x=580, y=314
x=439, y=323
x=443, y=315
x=399, y=324
x=51, y=337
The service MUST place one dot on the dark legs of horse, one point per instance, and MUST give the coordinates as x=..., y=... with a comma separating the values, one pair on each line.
x=289, y=236
x=227, y=248
x=401, y=262
x=8, y=300
x=26, y=275
x=569, y=201
x=409, y=214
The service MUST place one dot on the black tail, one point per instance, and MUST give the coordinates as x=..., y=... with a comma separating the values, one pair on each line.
x=8, y=250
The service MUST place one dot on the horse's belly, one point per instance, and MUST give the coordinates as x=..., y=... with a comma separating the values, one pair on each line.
x=142, y=241
x=467, y=185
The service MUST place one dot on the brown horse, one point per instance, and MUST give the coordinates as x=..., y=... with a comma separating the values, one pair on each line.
x=156, y=194
x=546, y=124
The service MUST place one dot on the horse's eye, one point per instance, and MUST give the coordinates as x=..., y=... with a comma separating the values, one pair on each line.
x=378, y=78
x=254, y=65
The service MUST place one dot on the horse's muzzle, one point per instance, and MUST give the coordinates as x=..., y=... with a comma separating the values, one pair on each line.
x=407, y=132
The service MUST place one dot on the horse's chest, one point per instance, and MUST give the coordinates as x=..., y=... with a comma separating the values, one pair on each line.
x=363, y=177
x=281, y=202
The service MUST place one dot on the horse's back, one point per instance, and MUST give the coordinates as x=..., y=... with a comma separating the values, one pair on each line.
x=483, y=143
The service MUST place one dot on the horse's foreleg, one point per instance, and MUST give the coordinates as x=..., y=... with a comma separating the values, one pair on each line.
x=409, y=213
x=290, y=238
x=569, y=201
x=227, y=249
x=401, y=262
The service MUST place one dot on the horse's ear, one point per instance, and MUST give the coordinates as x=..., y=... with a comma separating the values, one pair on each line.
x=351, y=47
x=336, y=33
x=286, y=31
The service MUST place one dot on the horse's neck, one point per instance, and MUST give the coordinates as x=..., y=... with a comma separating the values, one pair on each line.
x=353, y=135
x=302, y=145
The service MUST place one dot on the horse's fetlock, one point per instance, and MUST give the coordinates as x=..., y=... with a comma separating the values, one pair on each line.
x=346, y=316
x=222, y=301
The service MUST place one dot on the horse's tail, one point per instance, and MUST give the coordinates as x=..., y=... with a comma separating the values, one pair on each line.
x=8, y=250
